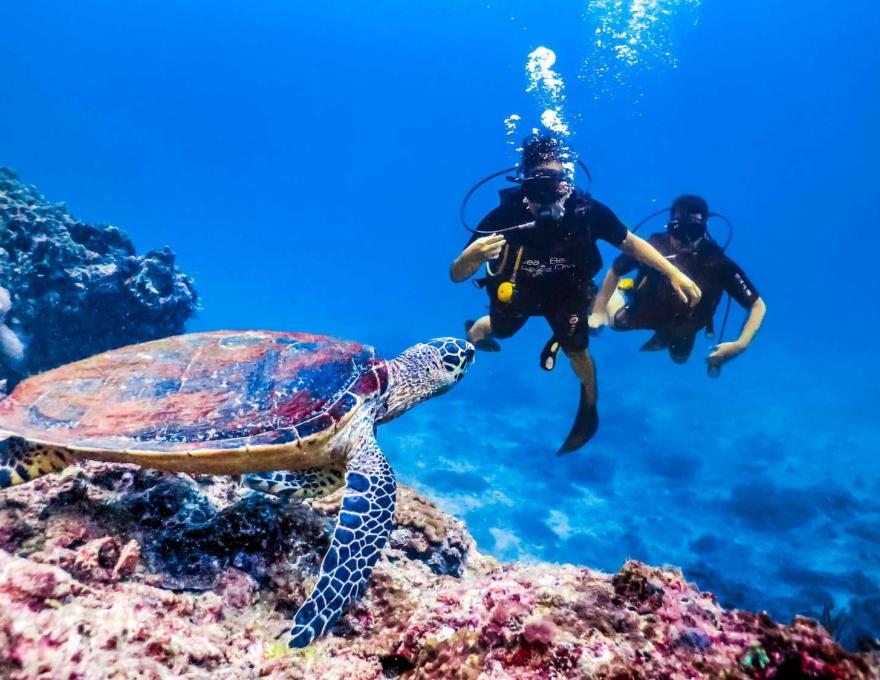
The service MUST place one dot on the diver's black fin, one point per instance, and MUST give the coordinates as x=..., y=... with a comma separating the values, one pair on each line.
x=548, y=354
x=655, y=344
x=484, y=345
x=586, y=422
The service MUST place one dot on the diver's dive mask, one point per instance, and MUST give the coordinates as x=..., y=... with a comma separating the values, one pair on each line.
x=688, y=227
x=549, y=190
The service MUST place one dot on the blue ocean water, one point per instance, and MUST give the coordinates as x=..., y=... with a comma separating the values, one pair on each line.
x=306, y=162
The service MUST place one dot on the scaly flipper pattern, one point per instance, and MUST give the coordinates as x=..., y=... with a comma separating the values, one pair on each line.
x=311, y=483
x=365, y=521
x=22, y=461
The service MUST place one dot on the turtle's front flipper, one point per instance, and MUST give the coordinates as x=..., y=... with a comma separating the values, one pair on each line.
x=365, y=520
x=311, y=483
x=22, y=461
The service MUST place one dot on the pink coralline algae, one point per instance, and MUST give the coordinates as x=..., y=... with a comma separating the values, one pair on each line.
x=113, y=572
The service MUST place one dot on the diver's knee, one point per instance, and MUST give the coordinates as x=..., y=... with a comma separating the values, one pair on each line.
x=679, y=355
x=680, y=349
x=479, y=329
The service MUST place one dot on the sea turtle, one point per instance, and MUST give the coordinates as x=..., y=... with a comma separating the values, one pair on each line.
x=295, y=413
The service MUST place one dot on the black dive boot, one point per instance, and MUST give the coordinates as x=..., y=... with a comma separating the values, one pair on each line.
x=548, y=354
x=655, y=344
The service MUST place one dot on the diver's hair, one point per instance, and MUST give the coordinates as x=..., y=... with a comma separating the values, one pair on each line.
x=541, y=148
x=688, y=204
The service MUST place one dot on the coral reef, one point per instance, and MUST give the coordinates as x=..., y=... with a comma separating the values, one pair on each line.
x=78, y=289
x=115, y=572
x=11, y=346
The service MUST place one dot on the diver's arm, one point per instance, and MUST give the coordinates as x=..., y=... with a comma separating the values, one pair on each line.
x=609, y=285
x=728, y=350
x=599, y=312
x=753, y=323
x=473, y=257
x=645, y=253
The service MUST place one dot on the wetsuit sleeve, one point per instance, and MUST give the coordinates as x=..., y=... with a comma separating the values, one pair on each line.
x=605, y=224
x=737, y=284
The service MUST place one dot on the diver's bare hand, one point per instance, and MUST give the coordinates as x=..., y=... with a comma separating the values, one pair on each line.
x=686, y=289
x=597, y=319
x=724, y=352
x=485, y=248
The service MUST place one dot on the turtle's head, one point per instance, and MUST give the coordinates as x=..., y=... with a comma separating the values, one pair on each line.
x=424, y=371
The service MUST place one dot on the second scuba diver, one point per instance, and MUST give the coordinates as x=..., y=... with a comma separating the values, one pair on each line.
x=540, y=251
x=652, y=304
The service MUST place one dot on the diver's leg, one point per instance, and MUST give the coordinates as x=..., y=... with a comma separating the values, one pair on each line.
x=22, y=461
x=502, y=322
x=585, y=370
x=310, y=483
x=572, y=332
x=479, y=334
x=586, y=420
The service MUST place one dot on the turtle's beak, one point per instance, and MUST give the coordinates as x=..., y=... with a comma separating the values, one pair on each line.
x=455, y=355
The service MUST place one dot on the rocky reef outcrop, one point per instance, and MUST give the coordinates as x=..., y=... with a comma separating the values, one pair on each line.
x=77, y=289
x=115, y=572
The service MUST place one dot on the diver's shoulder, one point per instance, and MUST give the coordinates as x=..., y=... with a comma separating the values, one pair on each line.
x=510, y=197
x=660, y=238
x=711, y=248
x=509, y=210
x=590, y=204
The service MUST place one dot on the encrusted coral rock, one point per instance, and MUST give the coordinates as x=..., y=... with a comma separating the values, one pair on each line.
x=115, y=572
x=78, y=289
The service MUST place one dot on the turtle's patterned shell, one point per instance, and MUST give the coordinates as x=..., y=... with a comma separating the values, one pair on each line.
x=222, y=390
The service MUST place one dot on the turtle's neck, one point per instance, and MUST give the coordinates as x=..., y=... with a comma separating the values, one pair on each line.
x=408, y=383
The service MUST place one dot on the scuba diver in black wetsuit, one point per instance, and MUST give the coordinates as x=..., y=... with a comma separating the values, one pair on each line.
x=540, y=251
x=653, y=305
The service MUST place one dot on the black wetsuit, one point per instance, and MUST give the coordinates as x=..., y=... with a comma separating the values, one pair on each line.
x=654, y=305
x=556, y=268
